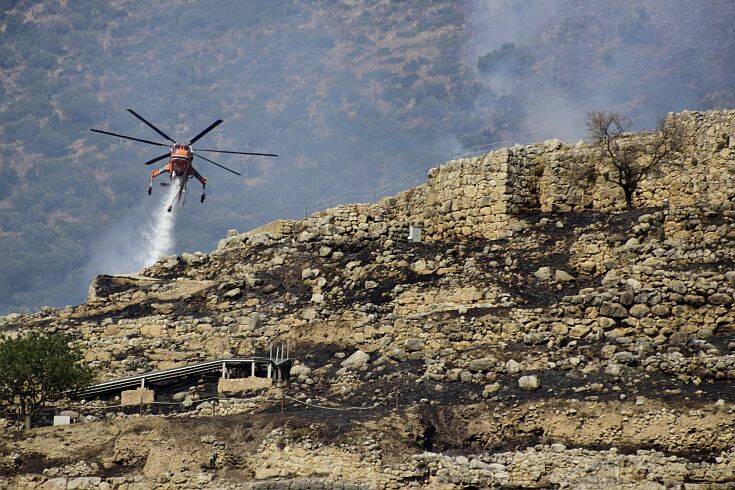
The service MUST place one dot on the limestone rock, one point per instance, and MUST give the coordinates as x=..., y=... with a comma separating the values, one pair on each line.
x=357, y=360
x=413, y=345
x=562, y=276
x=543, y=273
x=529, y=382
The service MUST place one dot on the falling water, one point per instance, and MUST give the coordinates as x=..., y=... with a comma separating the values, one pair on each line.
x=158, y=232
x=137, y=240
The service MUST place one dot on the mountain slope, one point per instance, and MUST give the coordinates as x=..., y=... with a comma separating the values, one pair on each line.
x=350, y=94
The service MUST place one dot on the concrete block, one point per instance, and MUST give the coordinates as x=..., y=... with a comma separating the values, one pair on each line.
x=239, y=385
x=62, y=420
x=137, y=397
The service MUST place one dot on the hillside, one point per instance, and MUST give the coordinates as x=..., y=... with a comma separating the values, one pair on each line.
x=350, y=94
x=538, y=336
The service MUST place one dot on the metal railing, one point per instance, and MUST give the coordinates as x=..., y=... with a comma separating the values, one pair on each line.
x=183, y=372
x=479, y=150
x=396, y=185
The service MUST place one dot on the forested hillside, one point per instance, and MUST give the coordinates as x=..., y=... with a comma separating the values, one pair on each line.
x=349, y=93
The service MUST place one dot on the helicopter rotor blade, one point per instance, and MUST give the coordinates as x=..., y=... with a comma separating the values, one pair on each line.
x=242, y=153
x=215, y=163
x=150, y=125
x=211, y=127
x=158, y=158
x=129, y=137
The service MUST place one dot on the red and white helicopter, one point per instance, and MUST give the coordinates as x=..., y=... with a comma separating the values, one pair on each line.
x=181, y=157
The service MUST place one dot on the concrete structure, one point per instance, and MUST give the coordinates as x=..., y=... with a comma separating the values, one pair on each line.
x=276, y=367
x=62, y=420
x=140, y=396
x=241, y=385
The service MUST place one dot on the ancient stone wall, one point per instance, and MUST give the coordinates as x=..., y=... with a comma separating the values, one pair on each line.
x=484, y=195
x=704, y=172
x=487, y=195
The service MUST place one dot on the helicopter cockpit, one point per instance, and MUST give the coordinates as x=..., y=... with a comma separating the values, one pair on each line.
x=181, y=151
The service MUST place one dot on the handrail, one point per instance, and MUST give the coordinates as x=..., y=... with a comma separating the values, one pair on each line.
x=175, y=373
x=393, y=187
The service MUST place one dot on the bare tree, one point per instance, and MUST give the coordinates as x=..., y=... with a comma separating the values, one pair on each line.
x=633, y=155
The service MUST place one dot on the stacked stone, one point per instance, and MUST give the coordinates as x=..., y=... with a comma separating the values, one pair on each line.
x=466, y=197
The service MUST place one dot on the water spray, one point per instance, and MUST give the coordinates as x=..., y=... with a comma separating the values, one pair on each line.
x=134, y=243
x=158, y=232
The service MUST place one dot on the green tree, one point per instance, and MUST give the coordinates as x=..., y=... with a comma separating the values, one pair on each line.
x=36, y=368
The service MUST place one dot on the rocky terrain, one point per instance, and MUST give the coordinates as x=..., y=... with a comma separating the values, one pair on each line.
x=553, y=345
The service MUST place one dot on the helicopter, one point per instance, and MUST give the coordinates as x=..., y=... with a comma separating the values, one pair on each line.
x=181, y=157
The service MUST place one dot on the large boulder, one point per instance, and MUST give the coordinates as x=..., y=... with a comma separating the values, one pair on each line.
x=356, y=360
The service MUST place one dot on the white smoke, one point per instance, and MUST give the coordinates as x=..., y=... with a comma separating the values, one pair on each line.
x=139, y=240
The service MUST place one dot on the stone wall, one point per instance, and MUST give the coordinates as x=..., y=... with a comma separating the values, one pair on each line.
x=476, y=196
x=484, y=195
x=240, y=385
x=704, y=172
x=487, y=195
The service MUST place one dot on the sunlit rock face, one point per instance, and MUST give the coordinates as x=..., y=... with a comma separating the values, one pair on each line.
x=539, y=334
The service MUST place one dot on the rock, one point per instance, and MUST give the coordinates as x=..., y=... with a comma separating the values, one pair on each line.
x=356, y=360
x=300, y=370
x=325, y=251
x=482, y=365
x=419, y=266
x=624, y=357
x=233, y=293
x=55, y=484
x=678, y=287
x=413, y=345
x=639, y=310
x=83, y=483
x=544, y=273
x=310, y=314
x=512, y=367
x=611, y=278
x=608, y=351
x=613, y=310
x=579, y=331
x=613, y=369
x=309, y=273
x=562, y=276
x=632, y=243
x=305, y=236
x=489, y=389
x=720, y=299
x=661, y=310
x=529, y=382
x=152, y=330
